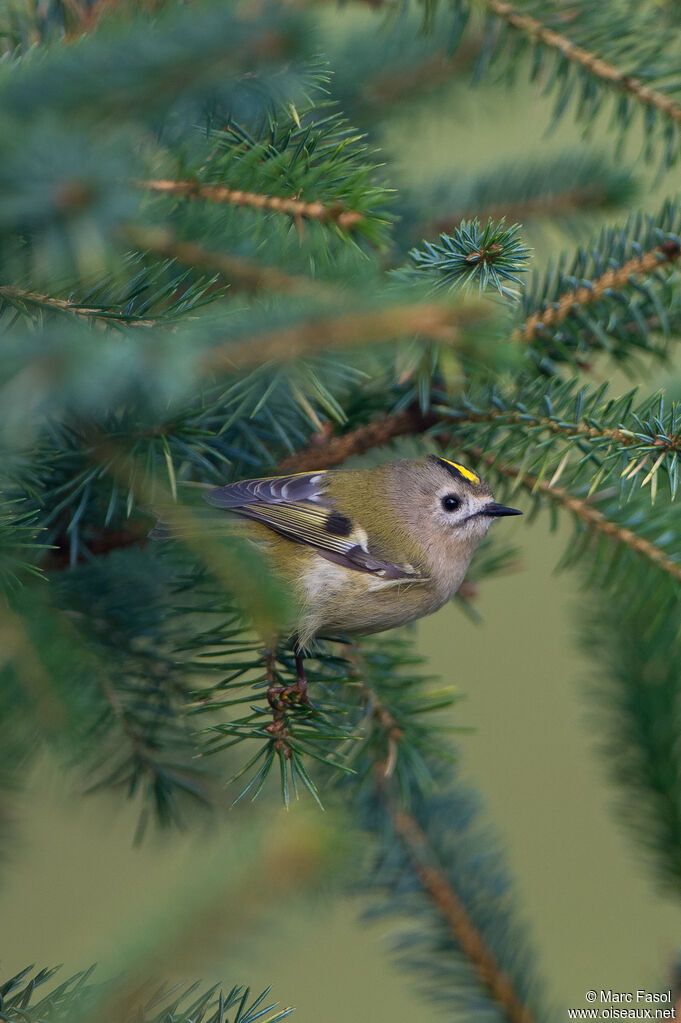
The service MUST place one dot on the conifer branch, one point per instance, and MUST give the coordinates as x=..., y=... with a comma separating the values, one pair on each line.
x=633, y=642
x=434, y=321
x=296, y=208
x=626, y=438
x=585, y=512
x=573, y=200
x=433, y=70
x=24, y=297
x=448, y=904
x=440, y=889
x=491, y=257
x=24, y=1000
x=141, y=750
x=325, y=452
x=591, y=62
x=385, y=720
x=244, y=274
x=558, y=312
x=103, y=541
x=561, y=186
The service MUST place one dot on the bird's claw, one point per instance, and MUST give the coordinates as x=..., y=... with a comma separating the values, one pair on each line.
x=280, y=697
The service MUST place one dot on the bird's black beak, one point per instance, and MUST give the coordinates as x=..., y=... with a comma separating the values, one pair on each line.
x=498, y=510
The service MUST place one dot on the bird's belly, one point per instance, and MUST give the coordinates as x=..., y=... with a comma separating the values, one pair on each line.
x=338, y=599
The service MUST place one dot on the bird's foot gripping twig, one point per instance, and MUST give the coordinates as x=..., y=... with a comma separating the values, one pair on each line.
x=282, y=697
x=287, y=695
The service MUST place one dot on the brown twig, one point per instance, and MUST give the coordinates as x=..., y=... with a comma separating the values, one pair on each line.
x=242, y=273
x=617, y=435
x=64, y=305
x=100, y=541
x=440, y=891
x=433, y=70
x=434, y=321
x=296, y=208
x=598, y=67
x=385, y=720
x=522, y=210
x=451, y=908
x=559, y=311
x=585, y=58
x=324, y=453
x=587, y=294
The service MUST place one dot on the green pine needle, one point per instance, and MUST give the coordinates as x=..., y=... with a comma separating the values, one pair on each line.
x=487, y=258
x=23, y=999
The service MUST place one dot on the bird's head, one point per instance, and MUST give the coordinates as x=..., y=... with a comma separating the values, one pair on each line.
x=447, y=507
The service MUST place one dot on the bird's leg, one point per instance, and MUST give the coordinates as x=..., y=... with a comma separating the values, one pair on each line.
x=279, y=696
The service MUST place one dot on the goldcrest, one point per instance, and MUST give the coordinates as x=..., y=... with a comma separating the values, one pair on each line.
x=369, y=549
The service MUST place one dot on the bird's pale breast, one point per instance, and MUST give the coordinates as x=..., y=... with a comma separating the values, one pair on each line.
x=338, y=599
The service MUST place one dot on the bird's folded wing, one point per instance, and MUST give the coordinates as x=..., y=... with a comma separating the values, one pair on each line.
x=298, y=508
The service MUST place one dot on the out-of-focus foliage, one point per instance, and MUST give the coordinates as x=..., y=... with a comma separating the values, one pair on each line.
x=23, y=998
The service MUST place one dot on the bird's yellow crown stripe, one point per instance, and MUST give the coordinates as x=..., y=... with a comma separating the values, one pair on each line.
x=466, y=473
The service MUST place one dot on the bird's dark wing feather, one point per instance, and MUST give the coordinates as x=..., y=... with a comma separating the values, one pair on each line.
x=303, y=486
x=298, y=508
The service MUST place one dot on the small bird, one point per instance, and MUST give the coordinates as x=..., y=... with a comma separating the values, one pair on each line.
x=366, y=550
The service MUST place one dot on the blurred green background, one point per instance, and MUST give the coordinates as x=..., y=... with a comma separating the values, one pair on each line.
x=78, y=891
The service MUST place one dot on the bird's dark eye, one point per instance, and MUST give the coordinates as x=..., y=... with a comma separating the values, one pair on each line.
x=450, y=503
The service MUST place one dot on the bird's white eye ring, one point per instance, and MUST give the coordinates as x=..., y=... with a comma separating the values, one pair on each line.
x=450, y=503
